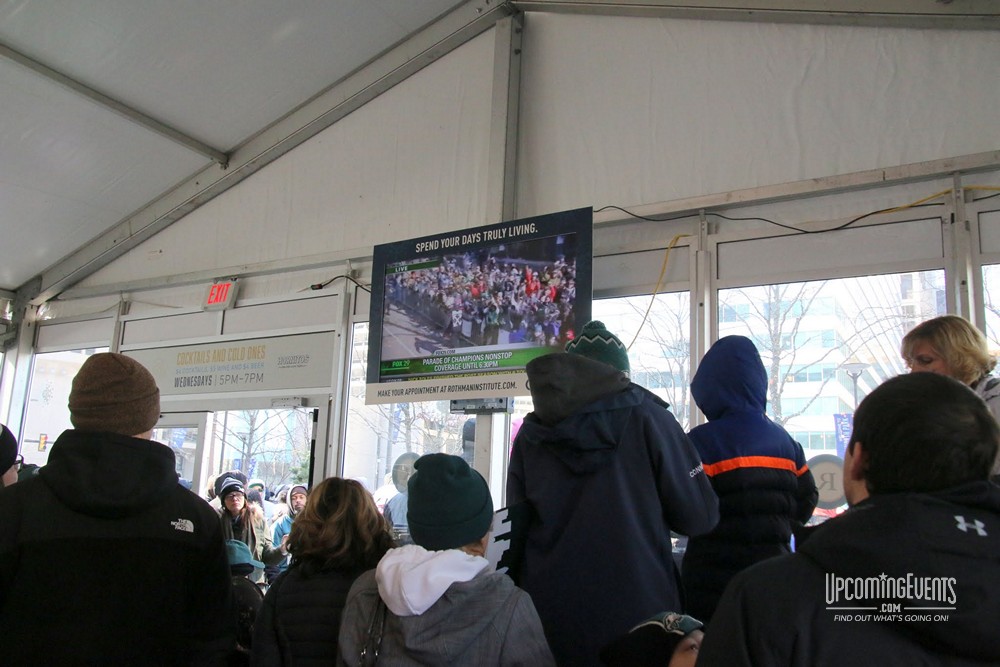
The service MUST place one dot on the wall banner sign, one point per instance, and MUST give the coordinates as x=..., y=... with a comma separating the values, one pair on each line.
x=272, y=364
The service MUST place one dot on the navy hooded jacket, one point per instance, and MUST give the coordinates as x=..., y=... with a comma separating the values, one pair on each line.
x=609, y=473
x=757, y=470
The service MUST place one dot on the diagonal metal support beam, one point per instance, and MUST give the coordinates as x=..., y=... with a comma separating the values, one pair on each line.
x=114, y=105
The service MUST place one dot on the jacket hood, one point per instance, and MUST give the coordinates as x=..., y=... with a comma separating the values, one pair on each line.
x=562, y=383
x=944, y=544
x=589, y=431
x=730, y=378
x=445, y=600
x=108, y=475
x=411, y=579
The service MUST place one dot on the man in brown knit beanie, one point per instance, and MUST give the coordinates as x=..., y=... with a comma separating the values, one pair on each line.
x=104, y=556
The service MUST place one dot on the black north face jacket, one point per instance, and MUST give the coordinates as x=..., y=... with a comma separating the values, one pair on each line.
x=106, y=559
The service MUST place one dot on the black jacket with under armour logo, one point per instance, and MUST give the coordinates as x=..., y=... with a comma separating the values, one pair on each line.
x=900, y=579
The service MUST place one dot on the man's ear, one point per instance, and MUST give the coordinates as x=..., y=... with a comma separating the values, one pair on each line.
x=856, y=474
x=858, y=463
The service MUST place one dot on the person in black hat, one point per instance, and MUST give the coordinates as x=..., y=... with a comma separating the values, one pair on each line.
x=668, y=639
x=104, y=556
x=247, y=598
x=608, y=473
x=242, y=520
x=438, y=601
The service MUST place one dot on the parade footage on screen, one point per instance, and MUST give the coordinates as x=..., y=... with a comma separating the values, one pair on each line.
x=481, y=301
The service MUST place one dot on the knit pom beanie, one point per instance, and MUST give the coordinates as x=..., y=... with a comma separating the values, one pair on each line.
x=599, y=344
x=113, y=393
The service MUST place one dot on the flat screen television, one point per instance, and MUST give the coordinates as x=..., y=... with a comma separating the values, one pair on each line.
x=459, y=315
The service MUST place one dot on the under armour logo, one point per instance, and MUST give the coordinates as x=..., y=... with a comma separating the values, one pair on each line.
x=976, y=525
x=183, y=524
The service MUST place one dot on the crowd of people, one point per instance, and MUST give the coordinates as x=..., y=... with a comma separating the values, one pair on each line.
x=105, y=558
x=477, y=299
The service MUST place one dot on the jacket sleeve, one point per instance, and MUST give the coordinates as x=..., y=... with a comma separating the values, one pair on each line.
x=269, y=554
x=10, y=518
x=282, y=527
x=727, y=642
x=807, y=494
x=355, y=619
x=689, y=502
x=211, y=614
x=266, y=651
x=524, y=641
x=515, y=474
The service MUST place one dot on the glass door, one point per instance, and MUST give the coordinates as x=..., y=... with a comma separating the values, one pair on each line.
x=184, y=434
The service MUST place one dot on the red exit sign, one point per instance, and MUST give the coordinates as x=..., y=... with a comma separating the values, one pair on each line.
x=221, y=295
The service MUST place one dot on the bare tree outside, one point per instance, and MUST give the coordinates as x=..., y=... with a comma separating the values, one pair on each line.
x=378, y=434
x=806, y=333
x=991, y=299
x=272, y=445
x=660, y=354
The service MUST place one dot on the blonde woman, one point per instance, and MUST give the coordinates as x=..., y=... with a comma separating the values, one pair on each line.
x=950, y=345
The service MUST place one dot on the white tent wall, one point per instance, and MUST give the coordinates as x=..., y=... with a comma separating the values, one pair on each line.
x=628, y=111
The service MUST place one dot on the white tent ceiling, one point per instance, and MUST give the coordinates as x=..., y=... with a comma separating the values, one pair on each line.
x=114, y=113
x=215, y=72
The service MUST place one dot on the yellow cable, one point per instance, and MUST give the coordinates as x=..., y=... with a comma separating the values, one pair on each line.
x=673, y=242
x=916, y=203
x=659, y=282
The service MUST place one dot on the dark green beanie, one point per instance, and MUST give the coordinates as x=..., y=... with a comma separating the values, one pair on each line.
x=599, y=344
x=449, y=504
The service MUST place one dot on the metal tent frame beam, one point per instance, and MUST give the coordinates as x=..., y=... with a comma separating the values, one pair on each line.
x=116, y=106
x=939, y=14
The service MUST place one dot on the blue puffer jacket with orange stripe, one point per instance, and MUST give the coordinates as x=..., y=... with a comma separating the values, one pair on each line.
x=757, y=470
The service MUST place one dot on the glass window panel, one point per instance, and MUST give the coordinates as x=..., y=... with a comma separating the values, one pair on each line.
x=378, y=435
x=807, y=331
x=660, y=355
x=183, y=440
x=273, y=445
x=47, y=414
x=991, y=297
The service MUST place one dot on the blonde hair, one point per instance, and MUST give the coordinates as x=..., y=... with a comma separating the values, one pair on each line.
x=339, y=528
x=962, y=346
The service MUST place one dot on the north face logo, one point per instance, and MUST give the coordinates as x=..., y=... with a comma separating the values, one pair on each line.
x=183, y=524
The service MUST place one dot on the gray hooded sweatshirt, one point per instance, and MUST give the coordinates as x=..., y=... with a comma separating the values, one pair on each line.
x=443, y=608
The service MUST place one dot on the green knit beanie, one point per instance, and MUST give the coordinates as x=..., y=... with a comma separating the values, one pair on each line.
x=599, y=344
x=449, y=504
